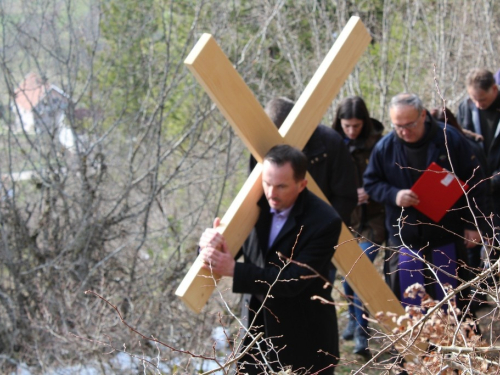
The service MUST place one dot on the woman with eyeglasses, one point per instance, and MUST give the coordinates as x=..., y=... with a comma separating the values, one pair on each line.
x=360, y=133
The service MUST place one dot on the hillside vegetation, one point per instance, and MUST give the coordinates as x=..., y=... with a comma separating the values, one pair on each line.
x=152, y=160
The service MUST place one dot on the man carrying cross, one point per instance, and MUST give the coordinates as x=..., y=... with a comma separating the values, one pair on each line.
x=293, y=225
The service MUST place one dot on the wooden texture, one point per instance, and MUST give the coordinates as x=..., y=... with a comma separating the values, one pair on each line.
x=226, y=88
x=234, y=99
x=324, y=86
x=235, y=226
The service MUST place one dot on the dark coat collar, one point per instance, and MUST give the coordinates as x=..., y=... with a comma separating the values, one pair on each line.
x=265, y=219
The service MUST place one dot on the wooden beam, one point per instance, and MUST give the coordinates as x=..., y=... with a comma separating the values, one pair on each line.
x=226, y=88
x=325, y=84
x=198, y=284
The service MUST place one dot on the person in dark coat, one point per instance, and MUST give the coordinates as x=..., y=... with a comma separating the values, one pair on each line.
x=330, y=163
x=360, y=133
x=474, y=140
x=300, y=332
x=397, y=161
x=480, y=113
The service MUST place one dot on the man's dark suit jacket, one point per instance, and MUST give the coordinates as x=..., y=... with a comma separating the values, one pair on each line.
x=291, y=318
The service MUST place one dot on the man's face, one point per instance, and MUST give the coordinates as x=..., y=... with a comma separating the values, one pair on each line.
x=352, y=127
x=408, y=124
x=482, y=99
x=279, y=185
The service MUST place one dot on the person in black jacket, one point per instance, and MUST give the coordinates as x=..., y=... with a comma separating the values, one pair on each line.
x=360, y=133
x=329, y=161
x=397, y=161
x=295, y=224
x=329, y=164
x=480, y=113
x=474, y=140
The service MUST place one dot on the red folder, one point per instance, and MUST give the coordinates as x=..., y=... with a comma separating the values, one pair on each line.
x=438, y=190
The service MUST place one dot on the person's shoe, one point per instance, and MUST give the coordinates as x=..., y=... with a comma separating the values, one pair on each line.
x=361, y=342
x=348, y=333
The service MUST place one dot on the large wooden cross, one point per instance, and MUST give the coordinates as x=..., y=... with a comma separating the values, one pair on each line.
x=237, y=103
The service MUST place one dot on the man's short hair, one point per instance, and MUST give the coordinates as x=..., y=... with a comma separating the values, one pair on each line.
x=406, y=99
x=480, y=78
x=282, y=154
x=278, y=109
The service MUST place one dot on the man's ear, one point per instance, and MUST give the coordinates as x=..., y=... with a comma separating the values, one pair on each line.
x=423, y=114
x=302, y=185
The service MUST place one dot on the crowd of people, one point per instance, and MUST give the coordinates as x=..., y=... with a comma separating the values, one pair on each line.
x=368, y=173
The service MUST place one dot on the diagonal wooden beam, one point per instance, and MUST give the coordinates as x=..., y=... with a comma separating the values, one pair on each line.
x=326, y=83
x=242, y=110
x=198, y=284
x=226, y=88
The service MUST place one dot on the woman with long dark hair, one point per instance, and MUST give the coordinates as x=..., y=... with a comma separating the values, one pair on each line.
x=360, y=133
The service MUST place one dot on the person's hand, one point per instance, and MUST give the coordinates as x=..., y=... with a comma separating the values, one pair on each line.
x=220, y=262
x=214, y=252
x=472, y=238
x=211, y=237
x=362, y=196
x=477, y=137
x=406, y=198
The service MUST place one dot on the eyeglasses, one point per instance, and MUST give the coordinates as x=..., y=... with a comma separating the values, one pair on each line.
x=411, y=125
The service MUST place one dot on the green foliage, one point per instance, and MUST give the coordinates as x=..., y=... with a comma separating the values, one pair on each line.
x=129, y=33
x=138, y=66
